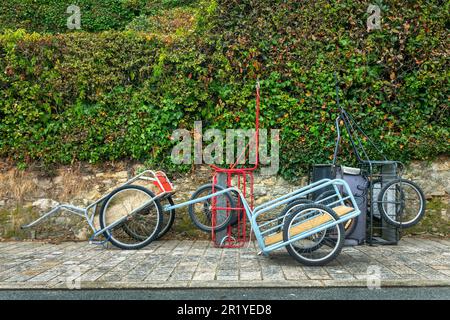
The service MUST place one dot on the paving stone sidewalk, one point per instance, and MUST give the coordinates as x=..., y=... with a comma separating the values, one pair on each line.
x=183, y=264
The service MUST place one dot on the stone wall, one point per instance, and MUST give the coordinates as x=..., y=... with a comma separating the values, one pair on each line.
x=434, y=179
x=24, y=195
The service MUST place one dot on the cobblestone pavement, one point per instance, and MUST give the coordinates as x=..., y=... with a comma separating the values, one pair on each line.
x=177, y=264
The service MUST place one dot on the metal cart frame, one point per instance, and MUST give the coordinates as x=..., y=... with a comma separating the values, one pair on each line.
x=89, y=212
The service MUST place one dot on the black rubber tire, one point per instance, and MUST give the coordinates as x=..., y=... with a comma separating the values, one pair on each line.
x=378, y=217
x=293, y=207
x=202, y=226
x=168, y=220
x=289, y=207
x=339, y=243
x=387, y=218
x=325, y=195
x=142, y=243
x=234, y=213
x=350, y=224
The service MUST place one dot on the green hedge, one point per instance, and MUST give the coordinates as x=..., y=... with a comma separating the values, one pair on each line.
x=115, y=95
x=395, y=79
x=50, y=16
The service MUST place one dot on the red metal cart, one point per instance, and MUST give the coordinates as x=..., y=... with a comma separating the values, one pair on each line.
x=239, y=176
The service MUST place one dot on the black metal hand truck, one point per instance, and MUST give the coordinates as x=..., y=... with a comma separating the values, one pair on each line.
x=394, y=203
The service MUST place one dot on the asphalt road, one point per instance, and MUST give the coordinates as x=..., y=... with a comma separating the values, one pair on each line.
x=394, y=293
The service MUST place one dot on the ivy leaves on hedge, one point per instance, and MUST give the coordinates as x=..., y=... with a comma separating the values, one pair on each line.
x=119, y=94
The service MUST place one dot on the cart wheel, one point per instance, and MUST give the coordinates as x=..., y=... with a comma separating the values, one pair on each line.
x=146, y=222
x=234, y=213
x=315, y=239
x=290, y=207
x=377, y=186
x=350, y=224
x=201, y=211
x=168, y=219
x=401, y=203
x=332, y=237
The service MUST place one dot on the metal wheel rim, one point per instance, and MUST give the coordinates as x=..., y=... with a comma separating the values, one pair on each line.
x=315, y=242
x=326, y=230
x=205, y=209
x=108, y=231
x=417, y=193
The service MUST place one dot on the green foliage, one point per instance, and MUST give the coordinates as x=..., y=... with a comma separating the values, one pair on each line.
x=51, y=15
x=119, y=94
x=173, y=22
x=394, y=80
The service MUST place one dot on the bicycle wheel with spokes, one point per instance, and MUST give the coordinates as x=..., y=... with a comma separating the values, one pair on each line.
x=291, y=206
x=314, y=241
x=401, y=203
x=289, y=209
x=168, y=220
x=139, y=213
x=304, y=250
x=201, y=212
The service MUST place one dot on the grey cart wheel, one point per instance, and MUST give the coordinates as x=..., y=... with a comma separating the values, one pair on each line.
x=401, y=203
x=146, y=222
x=301, y=221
